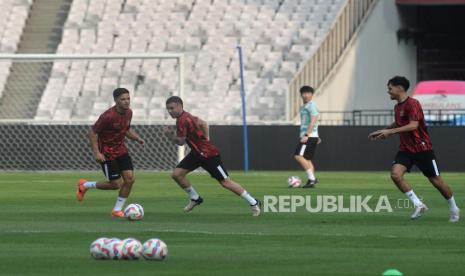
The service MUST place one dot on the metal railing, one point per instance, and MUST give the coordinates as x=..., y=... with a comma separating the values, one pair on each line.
x=437, y=117
x=326, y=56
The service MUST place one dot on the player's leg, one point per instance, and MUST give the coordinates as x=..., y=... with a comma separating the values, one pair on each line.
x=179, y=175
x=446, y=192
x=214, y=166
x=402, y=163
x=299, y=157
x=304, y=163
x=439, y=183
x=126, y=169
x=426, y=162
x=397, y=176
x=236, y=188
x=309, y=154
x=128, y=182
x=108, y=168
x=111, y=171
x=125, y=183
x=311, y=178
x=303, y=155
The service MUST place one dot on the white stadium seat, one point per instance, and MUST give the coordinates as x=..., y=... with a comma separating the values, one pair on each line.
x=277, y=37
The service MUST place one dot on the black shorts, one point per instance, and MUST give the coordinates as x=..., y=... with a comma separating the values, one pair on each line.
x=113, y=168
x=213, y=165
x=425, y=161
x=308, y=149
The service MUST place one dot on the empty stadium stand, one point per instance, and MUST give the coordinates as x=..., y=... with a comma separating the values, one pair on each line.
x=26, y=81
x=277, y=36
x=13, y=14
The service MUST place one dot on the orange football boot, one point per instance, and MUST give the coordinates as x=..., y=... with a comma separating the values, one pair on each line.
x=117, y=214
x=81, y=190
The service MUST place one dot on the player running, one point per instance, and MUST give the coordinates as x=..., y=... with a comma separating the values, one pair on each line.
x=415, y=147
x=107, y=140
x=194, y=132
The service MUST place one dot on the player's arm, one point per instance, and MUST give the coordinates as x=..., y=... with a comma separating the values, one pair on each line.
x=374, y=134
x=93, y=139
x=131, y=134
x=384, y=133
x=170, y=133
x=393, y=125
x=204, y=127
x=411, y=126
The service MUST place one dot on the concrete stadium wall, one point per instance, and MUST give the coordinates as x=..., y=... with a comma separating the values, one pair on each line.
x=359, y=80
x=65, y=147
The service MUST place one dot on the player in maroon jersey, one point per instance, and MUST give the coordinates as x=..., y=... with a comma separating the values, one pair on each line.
x=415, y=147
x=193, y=131
x=107, y=141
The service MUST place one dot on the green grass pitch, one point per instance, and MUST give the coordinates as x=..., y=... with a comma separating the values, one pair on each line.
x=44, y=231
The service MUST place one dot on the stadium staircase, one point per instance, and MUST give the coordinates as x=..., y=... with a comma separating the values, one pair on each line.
x=42, y=34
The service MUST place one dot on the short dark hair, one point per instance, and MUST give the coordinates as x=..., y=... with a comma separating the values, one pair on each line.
x=307, y=88
x=399, y=80
x=174, y=99
x=119, y=91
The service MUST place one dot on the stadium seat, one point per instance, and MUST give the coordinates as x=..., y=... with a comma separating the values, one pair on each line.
x=13, y=17
x=277, y=36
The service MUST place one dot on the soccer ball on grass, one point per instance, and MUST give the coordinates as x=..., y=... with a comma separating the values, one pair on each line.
x=134, y=211
x=96, y=248
x=293, y=182
x=154, y=249
x=113, y=249
x=132, y=249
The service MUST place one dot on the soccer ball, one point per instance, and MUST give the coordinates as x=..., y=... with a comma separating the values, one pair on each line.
x=96, y=248
x=154, y=249
x=293, y=181
x=112, y=249
x=132, y=249
x=134, y=211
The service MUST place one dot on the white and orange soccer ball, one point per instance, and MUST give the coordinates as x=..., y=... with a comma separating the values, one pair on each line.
x=134, y=211
x=112, y=249
x=96, y=248
x=132, y=249
x=294, y=181
x=154, y=249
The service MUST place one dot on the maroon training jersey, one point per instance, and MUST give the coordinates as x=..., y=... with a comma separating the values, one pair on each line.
x=418, y=139
x=111, y=128
x=187, y=126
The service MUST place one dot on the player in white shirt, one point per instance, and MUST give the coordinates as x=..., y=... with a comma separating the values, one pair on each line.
x=309, y=138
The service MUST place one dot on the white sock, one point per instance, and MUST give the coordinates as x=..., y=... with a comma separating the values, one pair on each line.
x=192, y=193
x=119, y=204
x=90, y=185
x=452, y=205
x=245, y=195
x=310, y=174
x=413, y=197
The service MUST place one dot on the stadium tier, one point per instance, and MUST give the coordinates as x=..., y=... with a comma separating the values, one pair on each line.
x=277, y=37
x=13, y=15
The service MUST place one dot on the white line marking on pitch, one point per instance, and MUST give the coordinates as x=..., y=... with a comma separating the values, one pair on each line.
x=196, y=232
